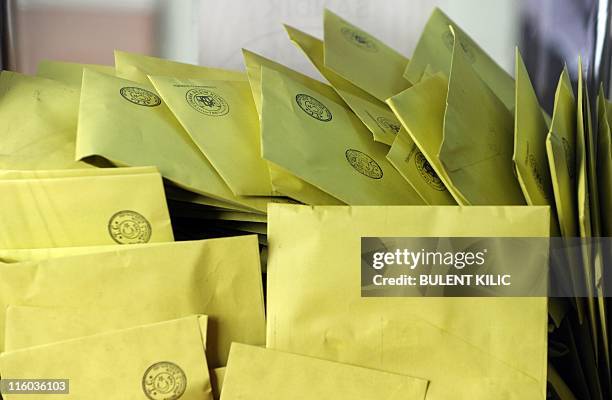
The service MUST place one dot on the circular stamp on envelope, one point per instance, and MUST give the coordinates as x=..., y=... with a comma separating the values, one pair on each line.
x=140, y=96
x=313, y=107
x=388, y=125
x=129, y=227
x=359, y=39
x=164, y=381
x=427, y=172
x=364, y=164
x=207, y=102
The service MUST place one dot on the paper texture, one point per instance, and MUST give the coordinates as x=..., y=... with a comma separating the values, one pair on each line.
x=362, y=59
x=66, y=208
x=435, y=48
x=221, y=119
x=135, y=363
x=264, y=374
x=455, y=343
x=69, y=73
x=477, y=144
x=38, y=123
x=218, y=277
x=325, y=144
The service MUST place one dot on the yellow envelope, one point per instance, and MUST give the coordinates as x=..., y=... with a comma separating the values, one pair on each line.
x=137, y=67
x=157, y=361
x=325, y=144
x=222, y=120
x=175, y=193
x=530, y=132
x=69, y=73
x=128, y=124
x=477, y=146
x=282, y=180
x=406, y=157
x=435, y=48
x=468, y=348
x=604, y=167
x=38, y=123
x=218, y=277
x=217, y=376
x=372, y=112
x=362, y=59
x=263, y=374
x=83, y=207
x=421, y=112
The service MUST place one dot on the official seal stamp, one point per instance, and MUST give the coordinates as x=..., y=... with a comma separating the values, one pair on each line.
x=427, y=172
x=129, y=227
x=164, y=381
x=207, y=102
x=313, y=107
x=140, y=96
x=359, y=39
x=449, y=41
x=364, y=164
x=388, y=125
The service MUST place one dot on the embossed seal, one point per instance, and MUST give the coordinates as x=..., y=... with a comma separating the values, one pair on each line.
x=364, y=164
x=140, y=96
x=427, y=172
x=359, y=39
x=207, y=102
x=388, y=125
x=164, y=381
x=129, y=227
x=313, y=107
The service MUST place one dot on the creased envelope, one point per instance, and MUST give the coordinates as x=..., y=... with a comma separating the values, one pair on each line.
x=435, y=48
x=362, y=59
x=128, y=124
x=222, y=120
x=477, y=144
x=218, y=277
x=137, y=67
x=468, y=348
x=38, y=123
x=66, y=208
x=164, y=360
x=421, y=112
x=69, y=73
x=263, y=374
x=604, y=168
x=282, y=180
x=325, y=144
x=372, y=112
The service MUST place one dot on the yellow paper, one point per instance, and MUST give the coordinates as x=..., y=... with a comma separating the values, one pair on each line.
x=175, y=193
x=140, y=362
x=69, y=73
x=435, y=48
x=362, y=59
x=406, y=157
x=315, y=306
x=372, y=112
x=477, y=145
x=137, y=68
x=38, y=123
x=218, y=277
x=264, y=374
x=604, y=167
x=421, y=112
x=83, y=207
x=128, y=124
x=282, y=180
x=530, y=141
x=222, y=120
x=325, y=144
x=217, y=376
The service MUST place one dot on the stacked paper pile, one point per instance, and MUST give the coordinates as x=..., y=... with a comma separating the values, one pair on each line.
x=94, y=289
